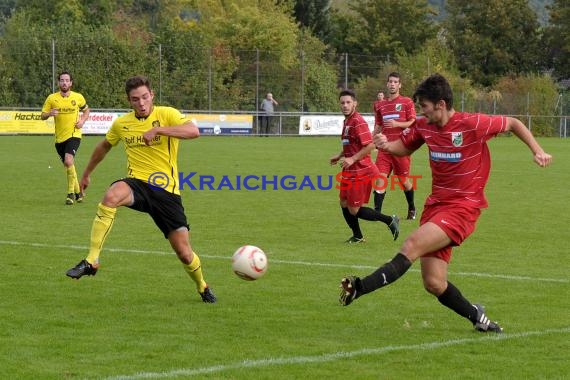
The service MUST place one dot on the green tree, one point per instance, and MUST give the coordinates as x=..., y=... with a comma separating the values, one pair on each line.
x=530, y=94
x=492, y=38
x=376, y=31
x=557, y=37
x=314, y=15
x=432, y=57
x=97, y=58
x=254, y=47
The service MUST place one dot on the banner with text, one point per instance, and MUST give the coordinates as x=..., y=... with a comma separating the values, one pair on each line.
x=326, y=125
x=223, y=124
x=24, y=122
x=30, y=122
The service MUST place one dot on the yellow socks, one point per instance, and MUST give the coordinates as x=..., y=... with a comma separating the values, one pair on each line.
x=99, y=230
x=194, y=269
x=72, y=183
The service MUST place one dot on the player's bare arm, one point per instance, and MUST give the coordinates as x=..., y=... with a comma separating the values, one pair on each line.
x=46, y=115
x=334, y=159
x=188, y=130
x=399, y=124
x=396, y=147
x=348, y=161
x=82, y=118
x=541, y=158
x=99, y=153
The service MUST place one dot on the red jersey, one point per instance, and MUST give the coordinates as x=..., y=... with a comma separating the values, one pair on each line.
x=355, y=136
x=400, y=109
x=459, y=157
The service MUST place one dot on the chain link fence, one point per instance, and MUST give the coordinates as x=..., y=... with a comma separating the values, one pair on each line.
x=199, y=79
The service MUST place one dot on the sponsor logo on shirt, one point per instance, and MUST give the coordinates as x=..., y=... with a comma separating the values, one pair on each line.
x=390, y=116
x=445, y=156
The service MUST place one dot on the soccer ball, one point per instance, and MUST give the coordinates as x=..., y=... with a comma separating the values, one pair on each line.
x=249, y=262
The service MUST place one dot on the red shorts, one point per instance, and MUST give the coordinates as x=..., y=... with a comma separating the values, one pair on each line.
x=387, y=163
x=356, y=189
x=456, y=221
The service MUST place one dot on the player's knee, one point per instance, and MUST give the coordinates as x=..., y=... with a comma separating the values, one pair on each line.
x=353, y=210
x=411, y=248
x=119, y=194
x=434, y=285
x=68, y=161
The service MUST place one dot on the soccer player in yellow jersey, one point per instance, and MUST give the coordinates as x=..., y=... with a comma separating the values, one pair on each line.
x=70, y=111
x=150, y=135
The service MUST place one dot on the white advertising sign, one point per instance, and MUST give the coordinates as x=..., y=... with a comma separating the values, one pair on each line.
x=326, y=124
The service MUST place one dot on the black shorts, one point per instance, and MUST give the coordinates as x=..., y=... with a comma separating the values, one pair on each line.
x=69, y=146
x=164, y=207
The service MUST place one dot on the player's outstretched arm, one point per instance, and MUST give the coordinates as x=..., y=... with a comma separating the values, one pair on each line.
x=541, y=158
x=188, y=130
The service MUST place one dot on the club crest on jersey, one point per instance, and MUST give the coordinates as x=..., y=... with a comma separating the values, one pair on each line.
x=155, y=124
x=457, y=138
x=398, y=107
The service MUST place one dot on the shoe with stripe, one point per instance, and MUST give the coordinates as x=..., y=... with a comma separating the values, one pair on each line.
x=483, y=323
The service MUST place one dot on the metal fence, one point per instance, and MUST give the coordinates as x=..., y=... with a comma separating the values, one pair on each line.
x=288, y=123
x=224, y=81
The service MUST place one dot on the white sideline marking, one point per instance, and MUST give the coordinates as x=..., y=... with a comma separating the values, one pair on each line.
x=288, y=262
x=250, y=363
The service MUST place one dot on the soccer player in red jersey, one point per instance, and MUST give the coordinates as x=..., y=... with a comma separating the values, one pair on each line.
x=380, y=96
x=460, y=163
x=391, y=116
x=358, y=171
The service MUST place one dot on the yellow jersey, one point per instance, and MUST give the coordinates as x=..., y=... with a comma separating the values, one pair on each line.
x=149, y=162
x=69, y=107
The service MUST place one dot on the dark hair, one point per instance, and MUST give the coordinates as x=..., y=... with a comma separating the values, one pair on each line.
x=347, y=92
x=65, y=72
x=136, y=82
x=394, y=74
x=435, y=88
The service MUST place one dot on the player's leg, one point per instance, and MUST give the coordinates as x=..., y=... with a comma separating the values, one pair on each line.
x=384, y=165
x=457, y=223
x=180, y=242
x=359, y=194
x=118, y=194
x=427, y=238
x=351, y=221
x=379, y=191
x=167, y=211
x=434, y=276
x=61, y=152
x=402, y=171
x=71, y=146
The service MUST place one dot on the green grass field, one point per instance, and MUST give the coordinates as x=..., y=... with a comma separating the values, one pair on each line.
x=140, y=317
